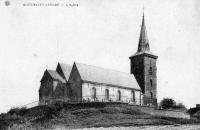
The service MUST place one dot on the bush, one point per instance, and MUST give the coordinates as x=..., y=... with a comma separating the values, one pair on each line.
x=180, y=106
x=167, y=103
x=197, y=115
x=18, y=110
x=192, y=111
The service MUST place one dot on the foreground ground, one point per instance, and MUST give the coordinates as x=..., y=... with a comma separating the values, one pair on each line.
x=158, y=127
x=85, y=115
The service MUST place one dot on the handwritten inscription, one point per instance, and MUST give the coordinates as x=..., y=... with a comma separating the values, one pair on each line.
x=51, y=4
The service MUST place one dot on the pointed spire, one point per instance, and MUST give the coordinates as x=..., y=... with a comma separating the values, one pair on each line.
x=143, y=41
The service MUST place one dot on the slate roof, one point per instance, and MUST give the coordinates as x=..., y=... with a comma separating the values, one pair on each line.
x=56, y=76
x=143, y=40
x=143, y=45
x=66, y=68
x=106, y=76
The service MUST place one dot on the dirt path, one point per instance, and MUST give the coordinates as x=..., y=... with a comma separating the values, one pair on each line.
x=165, y=127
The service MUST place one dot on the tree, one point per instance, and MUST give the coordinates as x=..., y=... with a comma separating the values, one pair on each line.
x=180, y=106
x=167, y=103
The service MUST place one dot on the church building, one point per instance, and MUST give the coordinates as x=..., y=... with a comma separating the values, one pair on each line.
x=86, y=83
x=92, y=83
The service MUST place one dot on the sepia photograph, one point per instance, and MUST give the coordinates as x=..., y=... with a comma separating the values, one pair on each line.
x=99, y=65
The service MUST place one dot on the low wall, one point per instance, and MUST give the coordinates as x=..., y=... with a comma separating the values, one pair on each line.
x=153, y=111
x=164, y=113
x=174, y=114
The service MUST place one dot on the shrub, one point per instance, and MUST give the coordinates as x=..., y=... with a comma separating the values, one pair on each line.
x=197, y=115
x=167, y=103
x=180, y=106
x=192, y=111
x=18, y=110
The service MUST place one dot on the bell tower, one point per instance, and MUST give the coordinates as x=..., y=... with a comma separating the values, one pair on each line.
x=143, y=66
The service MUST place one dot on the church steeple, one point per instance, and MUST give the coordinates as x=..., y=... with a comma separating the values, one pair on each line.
x=143, y=45
x=143, y=67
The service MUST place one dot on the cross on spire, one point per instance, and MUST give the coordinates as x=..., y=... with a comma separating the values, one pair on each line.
x=143, y=40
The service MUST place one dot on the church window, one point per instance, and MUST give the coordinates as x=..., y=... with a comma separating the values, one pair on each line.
x=133, y=96
x=94, y=93
x=40, y=95
x=150, y=70
x=107, y=94
x=151, y=82
x=119, y=95
x=151, y=94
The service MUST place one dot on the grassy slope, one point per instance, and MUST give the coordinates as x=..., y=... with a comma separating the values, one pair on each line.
x=85, y=115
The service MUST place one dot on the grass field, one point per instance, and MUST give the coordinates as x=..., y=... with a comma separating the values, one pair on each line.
x=91, y=115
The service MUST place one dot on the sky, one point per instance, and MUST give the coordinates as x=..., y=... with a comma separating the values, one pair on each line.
x=102, y=33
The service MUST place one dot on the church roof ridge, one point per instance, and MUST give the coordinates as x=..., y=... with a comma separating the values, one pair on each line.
x=103, y=68
x=54, y=74
x=66, y=69
x=62, y=63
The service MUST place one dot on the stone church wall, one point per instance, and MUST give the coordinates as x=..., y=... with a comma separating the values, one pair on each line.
x=75, y=88
x=144, y=69
x=126, y=94
x=60, y=91
x=150, y=87
x=46, y=89
x=51, y=90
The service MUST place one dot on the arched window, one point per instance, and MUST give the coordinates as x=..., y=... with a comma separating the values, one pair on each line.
x=150, y=70
x=133, y=95
x=94, y=93
x=119, y=95
x=151, y=82
x=151, y=94
x=107, y=94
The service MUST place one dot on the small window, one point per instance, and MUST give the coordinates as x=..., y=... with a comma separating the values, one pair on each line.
x=151, y=82
x=133, y=96
x=40, y=95
x=119, y=95
x=107, y=94
x=94, y=93
x=151, y=94
x=150, y=70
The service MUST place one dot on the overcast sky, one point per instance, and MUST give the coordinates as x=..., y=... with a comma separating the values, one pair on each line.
x=102, y=33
